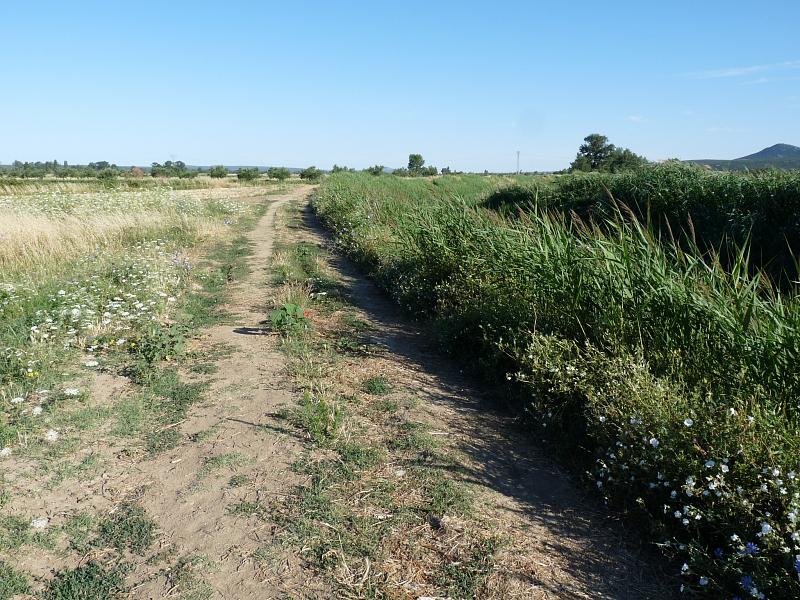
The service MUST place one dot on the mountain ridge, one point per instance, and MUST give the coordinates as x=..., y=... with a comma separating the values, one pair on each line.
x=778, y=156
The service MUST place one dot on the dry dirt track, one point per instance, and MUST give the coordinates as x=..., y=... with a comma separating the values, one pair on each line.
x=249, y=388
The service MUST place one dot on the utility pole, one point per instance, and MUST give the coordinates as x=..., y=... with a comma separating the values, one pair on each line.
x=517, y=162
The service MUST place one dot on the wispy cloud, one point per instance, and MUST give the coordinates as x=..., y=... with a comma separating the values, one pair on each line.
x=635, y=118
x=762, y=80
x=744, y=71
x=725, y=130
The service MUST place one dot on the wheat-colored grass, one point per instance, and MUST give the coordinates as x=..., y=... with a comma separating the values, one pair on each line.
x=34, y=241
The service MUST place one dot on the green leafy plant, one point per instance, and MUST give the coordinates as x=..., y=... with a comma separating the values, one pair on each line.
x=289, y=318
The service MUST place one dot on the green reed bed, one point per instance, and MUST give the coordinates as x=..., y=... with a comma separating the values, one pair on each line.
x=670, y=379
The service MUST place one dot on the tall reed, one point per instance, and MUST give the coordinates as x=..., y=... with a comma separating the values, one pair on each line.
x=670, y=376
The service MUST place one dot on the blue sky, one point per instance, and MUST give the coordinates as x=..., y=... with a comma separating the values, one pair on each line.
x=466, y=84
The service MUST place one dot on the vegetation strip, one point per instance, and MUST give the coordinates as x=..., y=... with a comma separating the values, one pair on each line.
x=676, y=374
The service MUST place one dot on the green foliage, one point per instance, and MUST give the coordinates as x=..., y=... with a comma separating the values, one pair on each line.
x=107, y=175
x=129, y=527
x=669, y=378
x=416, y=168
x=341, y=169
x=311, y=174
x=288, y=318
x=596, y=154
x=159, y=343
x=12, y=582
x=247, y=174
x=279, y=173
x=218, y=172
x=376, y=386
x=172, y=169
x=319, y=417
x=718, y=212
x=91, y=581
x=375, y=170
x=415, y=162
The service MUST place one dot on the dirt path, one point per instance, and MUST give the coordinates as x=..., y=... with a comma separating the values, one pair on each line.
x=190, y=492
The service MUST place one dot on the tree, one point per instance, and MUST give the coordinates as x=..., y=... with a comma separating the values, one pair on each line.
x=107, y=175
x=593, y=153
x=338, y=169
x=375, y=170
x=623, y=159
x=597, y=154
x=415, y=162
x=246, y=174
x=218, y=172
x=311, y=174
x=279, y=173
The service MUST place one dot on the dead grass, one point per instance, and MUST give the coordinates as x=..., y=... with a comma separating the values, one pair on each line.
x=33, y=241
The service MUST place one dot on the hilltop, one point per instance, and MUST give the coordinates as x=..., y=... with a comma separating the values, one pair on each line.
x=778, y=156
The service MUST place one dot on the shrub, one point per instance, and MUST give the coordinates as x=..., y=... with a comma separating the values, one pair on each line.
x=247, y=174
x=107, y=174
x=311, y=174
x=375, y=170
x=218, y=172
x=279, y=173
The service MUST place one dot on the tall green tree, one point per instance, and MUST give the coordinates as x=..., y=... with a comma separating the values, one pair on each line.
x=597, y=154
x=415, y=162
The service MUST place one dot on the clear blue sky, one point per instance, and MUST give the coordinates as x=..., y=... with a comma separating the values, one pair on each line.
x=464, y=83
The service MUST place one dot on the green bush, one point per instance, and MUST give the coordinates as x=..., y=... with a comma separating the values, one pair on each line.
x=279, y=173
x=311, y=174
x=218, y=172
x=670, y=380
x=247, y=174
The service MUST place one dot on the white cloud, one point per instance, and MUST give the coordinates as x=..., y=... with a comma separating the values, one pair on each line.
x=635, y=118
x=725, y=130
x=743, y=71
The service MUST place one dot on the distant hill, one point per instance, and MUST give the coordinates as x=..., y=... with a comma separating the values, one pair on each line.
x=779, y=156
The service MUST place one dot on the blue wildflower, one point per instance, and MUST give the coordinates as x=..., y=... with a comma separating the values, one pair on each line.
x=746, y=583
x=718, y=552
x=750, y=549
